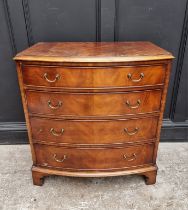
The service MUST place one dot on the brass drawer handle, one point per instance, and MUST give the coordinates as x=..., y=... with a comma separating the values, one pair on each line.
x=57, y=77
x=130, y=158
x=133, y=106
x=59, y=104
x=53, y=132
x=131, y=133
x=59, y=161
x=129, y=76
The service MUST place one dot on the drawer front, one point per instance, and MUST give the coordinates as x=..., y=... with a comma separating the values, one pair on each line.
x=93, y=77
x=93, y=159
x=100, y=104
x=93, y=131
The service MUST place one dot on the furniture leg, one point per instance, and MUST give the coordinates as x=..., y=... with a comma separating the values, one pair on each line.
x=150, y=177
x=38, y=178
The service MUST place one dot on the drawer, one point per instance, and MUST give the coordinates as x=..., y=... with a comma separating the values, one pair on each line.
x=93, y=159
x=100, y=104
x=87, y=77
x=93, y=131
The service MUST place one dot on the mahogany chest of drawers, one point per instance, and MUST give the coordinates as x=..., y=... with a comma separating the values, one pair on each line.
x=94, y=109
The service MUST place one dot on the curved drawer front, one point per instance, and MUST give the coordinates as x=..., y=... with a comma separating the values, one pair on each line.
x=93, y=159
x=113, y=104
x=93, y=131
x=93, y=77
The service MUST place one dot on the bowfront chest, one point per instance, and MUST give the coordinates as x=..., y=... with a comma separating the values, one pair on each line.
x=94, y=109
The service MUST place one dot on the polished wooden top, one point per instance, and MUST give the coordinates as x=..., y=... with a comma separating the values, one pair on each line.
x=93, y=52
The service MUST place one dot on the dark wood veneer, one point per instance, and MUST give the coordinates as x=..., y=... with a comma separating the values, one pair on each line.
x=94, y=159
x=90, y=77
x=89, y=104
x=94, y=109
x=95, y=132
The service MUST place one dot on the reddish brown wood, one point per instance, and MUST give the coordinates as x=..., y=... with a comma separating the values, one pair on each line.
x=100, y=104
x=135, y=170
x=24, y=101
x=87, y=77
x=38, y=177
x=94, y=64
x=91, y=159
x=91, y=83
x=150, y=177
x=163, y=101
x=94, y=52
x=95, y=132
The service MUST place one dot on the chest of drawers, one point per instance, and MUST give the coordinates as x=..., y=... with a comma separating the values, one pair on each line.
x=94, y=109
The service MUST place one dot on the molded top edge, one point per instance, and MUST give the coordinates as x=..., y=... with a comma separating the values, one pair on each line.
x=92, y=52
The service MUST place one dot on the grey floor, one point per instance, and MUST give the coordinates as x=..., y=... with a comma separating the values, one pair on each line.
x=129, y=192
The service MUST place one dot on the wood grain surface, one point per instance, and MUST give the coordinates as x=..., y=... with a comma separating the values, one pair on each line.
x=88, y=132
x=93, y=159
x=92, y=77
x=94, y=109
x=100, y=104
x=93, y=52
